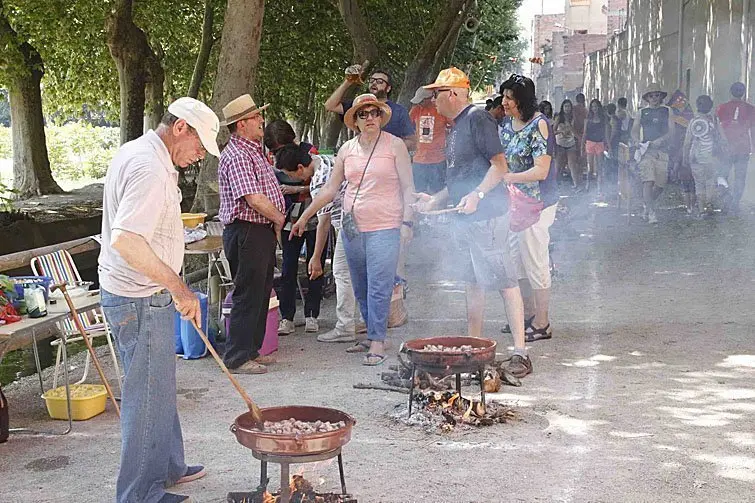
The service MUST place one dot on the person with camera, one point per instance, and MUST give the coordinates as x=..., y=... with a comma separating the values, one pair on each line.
x=377, y=214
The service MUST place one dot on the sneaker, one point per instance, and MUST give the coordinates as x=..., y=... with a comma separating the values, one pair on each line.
x=192, y=473
x=311, y=325
x=519, y=366
x=175, y=498
x=652, y=219
x=335, y=336
x=250, y=367
x=286, y=327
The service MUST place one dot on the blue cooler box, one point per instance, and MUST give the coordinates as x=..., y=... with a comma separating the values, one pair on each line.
x=188, y=342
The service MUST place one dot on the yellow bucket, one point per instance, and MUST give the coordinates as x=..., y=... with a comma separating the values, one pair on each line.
x=191, y=220
x=87, y=401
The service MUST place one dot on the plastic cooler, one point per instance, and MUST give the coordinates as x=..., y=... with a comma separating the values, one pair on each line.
x=270, y=344
x=188, y=342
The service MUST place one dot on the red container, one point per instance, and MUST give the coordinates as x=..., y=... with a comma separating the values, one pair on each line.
x=270, y=344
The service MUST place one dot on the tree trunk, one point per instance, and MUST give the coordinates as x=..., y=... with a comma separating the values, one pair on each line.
x=237, y=65
x=154, y=91
x=449, y=20
x=129, y=48
x=364, y=45
x=31, y=164
x=205, y=48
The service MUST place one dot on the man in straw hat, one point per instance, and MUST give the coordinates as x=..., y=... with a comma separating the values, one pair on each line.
x=141, y=255
x=476, y=165
x=653, y=131
x=252, y=209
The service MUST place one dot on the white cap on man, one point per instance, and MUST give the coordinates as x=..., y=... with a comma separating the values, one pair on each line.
x=421, y=95
x=200, y=117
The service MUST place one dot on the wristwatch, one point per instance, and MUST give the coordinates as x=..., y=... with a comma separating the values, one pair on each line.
x=408, y=223
x=480, y=194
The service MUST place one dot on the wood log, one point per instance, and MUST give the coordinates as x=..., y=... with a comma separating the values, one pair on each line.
x=22, y=258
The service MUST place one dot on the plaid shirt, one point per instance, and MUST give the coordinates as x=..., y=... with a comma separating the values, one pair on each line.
x=244, y=170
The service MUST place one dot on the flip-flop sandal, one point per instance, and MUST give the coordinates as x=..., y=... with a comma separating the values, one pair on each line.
x=538, y=334
x=359, y=347
x=527, y=324
x=370, y=362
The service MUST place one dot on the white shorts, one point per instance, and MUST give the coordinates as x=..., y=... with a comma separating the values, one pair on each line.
x=529, y=250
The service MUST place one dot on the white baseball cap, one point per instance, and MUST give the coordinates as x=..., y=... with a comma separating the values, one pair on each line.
x=200, y=117
x=421, y=95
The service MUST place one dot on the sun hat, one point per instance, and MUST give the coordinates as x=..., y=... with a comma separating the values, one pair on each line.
x=450, y=77
x=654, y=87
x=201, y=118
x=421, y=95
x=242, y=107
x=362, y=101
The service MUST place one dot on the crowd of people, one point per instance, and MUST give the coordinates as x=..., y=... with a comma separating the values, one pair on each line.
x=706, y=152
x=495, y=171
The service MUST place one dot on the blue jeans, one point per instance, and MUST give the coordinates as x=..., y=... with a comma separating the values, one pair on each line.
x=372, y=258
x=152, y=452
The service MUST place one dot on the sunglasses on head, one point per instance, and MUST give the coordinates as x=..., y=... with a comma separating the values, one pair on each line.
x=377, y=80
x=375, y=113
x=516, y=78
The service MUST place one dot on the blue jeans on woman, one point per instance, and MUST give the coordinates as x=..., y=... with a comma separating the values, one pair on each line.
x=372, y=258
x=152, y=450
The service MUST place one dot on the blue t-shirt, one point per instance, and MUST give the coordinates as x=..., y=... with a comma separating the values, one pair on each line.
x=400, y=124
x=470, y=145
x=522, y=147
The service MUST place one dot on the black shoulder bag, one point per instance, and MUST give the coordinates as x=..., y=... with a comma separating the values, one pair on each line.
x=348, y=223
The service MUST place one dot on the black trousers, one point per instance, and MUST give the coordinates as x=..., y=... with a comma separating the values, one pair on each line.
x=250, y=250
x=290, y=270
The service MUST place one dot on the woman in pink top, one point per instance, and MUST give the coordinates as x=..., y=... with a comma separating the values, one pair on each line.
x=378, y=201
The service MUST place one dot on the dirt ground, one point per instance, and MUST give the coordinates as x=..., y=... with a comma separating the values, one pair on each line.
x=645, y=393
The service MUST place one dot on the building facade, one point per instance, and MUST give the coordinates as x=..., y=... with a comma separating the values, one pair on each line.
x=702, y=51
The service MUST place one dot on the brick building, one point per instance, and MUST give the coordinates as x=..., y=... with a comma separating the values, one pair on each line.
x=544, y=28
x=587, y=26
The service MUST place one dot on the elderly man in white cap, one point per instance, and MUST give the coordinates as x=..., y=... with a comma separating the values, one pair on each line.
x=251, y=207
x=142, y=251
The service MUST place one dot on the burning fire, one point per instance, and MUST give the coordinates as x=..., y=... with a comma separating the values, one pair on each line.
x=302, y=491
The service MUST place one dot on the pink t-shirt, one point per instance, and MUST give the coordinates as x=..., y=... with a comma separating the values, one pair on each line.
x=379, y=205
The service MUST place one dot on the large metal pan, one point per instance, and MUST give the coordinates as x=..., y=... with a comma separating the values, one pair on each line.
x=481, y=354
x=293, y=445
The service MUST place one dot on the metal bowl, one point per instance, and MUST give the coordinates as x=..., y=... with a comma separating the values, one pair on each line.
x=293, y=445
x=481, y=354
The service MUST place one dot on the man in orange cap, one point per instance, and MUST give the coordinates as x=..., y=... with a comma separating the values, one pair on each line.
x=476, y=165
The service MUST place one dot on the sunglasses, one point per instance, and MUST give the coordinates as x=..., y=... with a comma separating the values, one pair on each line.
x=516, y=78
x=377, y=80
x=436, y=93
x=375, y=113
x=655, y=95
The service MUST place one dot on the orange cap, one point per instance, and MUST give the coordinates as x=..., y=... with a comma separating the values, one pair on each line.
x=450, y=77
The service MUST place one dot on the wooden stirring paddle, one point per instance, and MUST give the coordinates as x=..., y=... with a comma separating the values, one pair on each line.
x=256, y=413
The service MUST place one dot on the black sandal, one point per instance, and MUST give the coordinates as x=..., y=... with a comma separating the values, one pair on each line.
x=527, y=324
x=538, y=334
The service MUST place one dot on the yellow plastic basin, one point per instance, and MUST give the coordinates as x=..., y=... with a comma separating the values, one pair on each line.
x=87, y=401
x=191, y=220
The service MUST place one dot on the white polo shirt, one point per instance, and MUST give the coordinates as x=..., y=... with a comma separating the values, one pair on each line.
x=141, y=196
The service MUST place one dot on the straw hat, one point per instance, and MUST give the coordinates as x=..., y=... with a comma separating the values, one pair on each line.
x=242, y=107
x=654, y=87
x=362, y=101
